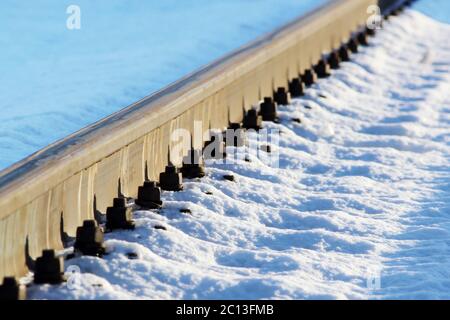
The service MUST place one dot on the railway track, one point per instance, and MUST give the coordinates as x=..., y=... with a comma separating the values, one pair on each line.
x=45, y=198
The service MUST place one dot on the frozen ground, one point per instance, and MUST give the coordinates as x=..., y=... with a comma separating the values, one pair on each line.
x=54, y=81
x=363, y=190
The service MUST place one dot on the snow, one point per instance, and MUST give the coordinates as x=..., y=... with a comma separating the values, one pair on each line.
x=358, y=208
x=54, y=81
x=437, y=9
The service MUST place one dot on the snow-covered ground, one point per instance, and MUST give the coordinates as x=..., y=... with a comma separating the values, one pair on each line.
x=359, y=207
x=54, y=81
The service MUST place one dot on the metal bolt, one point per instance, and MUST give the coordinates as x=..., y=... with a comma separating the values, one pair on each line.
x=334, y=60
x=252, y=120
x=193, y=165
x=149, y=196
x=49, y=268
x=268, y=110
x=281, y=97
x=171, y=179
x=214, y=148
x=353, y=45
x=370, y=32
x=119, y=216
x=235, y=135
x=309, y=77
x=322, y=69
x=296, y=88
x=10, y=290
x=362, y=39
x=344, y=53
x=90, y=238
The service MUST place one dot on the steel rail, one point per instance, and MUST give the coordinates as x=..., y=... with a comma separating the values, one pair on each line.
x=80, y=174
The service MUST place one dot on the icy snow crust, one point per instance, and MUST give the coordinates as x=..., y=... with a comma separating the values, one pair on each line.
x=54, y=81
x=362, y=188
